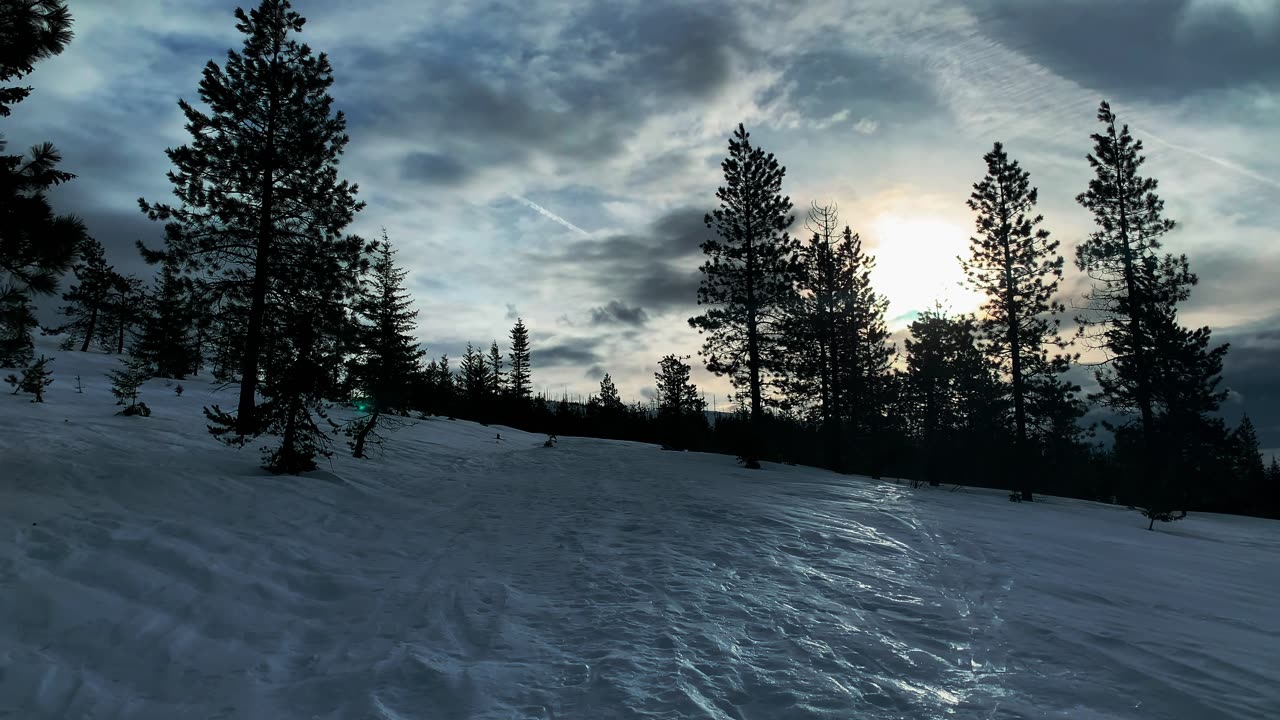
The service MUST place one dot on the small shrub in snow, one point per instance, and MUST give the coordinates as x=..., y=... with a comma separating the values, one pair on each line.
x=125, y=384
x=178, y=390
x=1162, y=515
x=551, y=441
x=34, y=379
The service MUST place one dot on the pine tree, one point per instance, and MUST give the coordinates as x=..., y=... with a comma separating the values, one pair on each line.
x=680, y=407
x=475, y=378
x=1271, y=497
x=293, y=407
x=87, y=301
x=36, y=245
x=126, y=383
x=950, y=394
x=608, y=400
x=606, y=410
x=865, y=383
x=125, y=307
x=445, y=388
x=518, y=378
x=748, y=277
x=165, y=341
x=496, y=375
x=1016, y=265
x=261, y=207
x=388, y=359
x=1156, y=367
x=835, y=339
x=34, y=379
x=812, y=330
x=1246, y=462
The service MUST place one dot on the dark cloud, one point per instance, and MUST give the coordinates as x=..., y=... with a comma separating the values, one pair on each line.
x=513, y=313
x=618, y=313
x=656, y=270
x=433, y=169
x=1231, y=279
x=679, y=49
x=1252, y=369
x=568, y=353
x=1142, y=48
x=492, y=110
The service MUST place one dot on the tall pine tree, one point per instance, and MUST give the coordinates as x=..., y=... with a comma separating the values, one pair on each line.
x=1015, y=264
x=1156, y=368
x=835, y=339
x=259, y=195
x=496, y=375
x=518, y=378
x=36, y=245
x=388, y=360
x=748, y=277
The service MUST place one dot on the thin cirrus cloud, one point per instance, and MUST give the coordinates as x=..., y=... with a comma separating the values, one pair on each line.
x=558, y=156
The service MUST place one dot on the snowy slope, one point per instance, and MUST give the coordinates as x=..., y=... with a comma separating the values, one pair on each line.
x=147, y=572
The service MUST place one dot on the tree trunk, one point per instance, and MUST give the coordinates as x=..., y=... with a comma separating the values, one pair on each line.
x=362, y=433
x=245, y=421
x=1136, y=310
x=1020, y=469
x=88, y=333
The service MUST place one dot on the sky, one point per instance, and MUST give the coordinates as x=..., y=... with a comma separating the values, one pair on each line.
x=553, y=159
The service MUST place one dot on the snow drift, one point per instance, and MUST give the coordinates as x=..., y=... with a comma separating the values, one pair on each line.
x=148, y=572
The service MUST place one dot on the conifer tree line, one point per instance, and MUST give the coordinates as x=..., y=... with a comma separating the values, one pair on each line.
x=258, y=282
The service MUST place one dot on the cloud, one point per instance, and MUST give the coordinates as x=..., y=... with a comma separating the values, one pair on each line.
x=575, y=353
x=433, y=168
x=656, y=270
x=617, y=313
x=1151, y=49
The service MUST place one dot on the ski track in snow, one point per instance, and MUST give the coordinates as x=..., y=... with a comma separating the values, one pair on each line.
x=146, y=572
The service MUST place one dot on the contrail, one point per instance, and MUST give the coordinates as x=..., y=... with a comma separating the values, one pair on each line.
x=548, y=214
x=1215, y=160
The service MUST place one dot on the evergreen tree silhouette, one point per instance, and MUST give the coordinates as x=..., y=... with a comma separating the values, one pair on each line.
x=748, y=277
x=518, y=377
x=680, y=407
x=950, y=393
x=1158, y=369
x=36, y=244
x=388, y=359
x=87, y=302
x=261, y=207
x=1015, y=264
x=124, y=309
x=165, y=339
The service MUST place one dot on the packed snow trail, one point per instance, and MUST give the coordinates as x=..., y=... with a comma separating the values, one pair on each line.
x=147, y=572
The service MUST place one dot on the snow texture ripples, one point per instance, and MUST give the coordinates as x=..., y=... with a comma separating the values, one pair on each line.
x=462, y=576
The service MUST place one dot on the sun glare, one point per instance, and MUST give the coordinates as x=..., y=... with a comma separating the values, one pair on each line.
x=916, y=266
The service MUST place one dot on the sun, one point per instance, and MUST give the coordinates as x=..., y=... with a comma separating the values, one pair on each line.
x=917, y=265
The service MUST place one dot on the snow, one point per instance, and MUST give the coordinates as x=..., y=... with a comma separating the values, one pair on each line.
x=148, y=572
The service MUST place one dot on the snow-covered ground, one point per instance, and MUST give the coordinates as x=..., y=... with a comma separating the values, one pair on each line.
x=148, y=572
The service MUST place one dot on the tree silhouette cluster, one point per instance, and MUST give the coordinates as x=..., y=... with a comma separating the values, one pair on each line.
x=259, y=283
